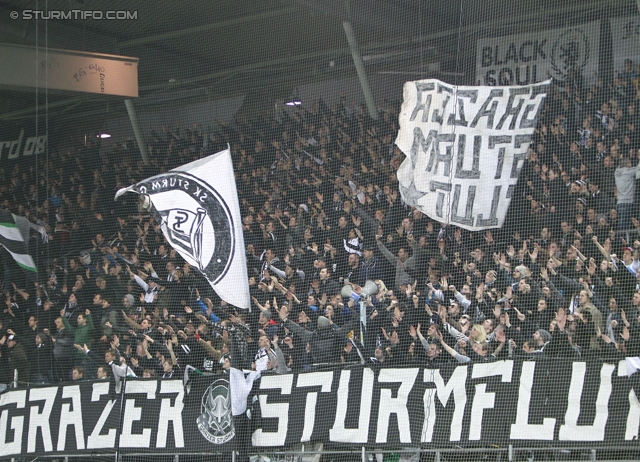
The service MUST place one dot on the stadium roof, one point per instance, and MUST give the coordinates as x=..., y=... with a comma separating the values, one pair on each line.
x=209, y=49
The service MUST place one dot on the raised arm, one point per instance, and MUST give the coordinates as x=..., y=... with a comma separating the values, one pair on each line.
x=602, y=250
x=304, y=334
x=277, y=356
x=388, y=255
x=460, y=358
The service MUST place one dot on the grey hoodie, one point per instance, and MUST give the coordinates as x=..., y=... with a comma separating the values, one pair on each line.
x=626, y=183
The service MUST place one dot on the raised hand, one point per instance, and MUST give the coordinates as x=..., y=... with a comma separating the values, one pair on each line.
x=521, y=315
x=625, y=334
x=384, y=333
x=497, y=311
x=561, y=318
x=442, y=312
x=544, y=274
x=412, y=332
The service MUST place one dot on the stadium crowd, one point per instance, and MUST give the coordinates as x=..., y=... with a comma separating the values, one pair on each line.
x=321, y=211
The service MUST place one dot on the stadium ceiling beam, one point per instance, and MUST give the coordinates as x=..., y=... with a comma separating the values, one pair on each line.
x=207, y=27
x=323, y=53
x=362, y=73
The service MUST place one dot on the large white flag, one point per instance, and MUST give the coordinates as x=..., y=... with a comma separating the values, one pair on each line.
x=465, y=147
x=197, y=206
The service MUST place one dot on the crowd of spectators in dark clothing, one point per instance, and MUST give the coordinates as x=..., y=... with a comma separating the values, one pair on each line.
x=321, y=211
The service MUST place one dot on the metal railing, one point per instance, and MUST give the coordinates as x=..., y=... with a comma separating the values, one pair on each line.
x=317, y=452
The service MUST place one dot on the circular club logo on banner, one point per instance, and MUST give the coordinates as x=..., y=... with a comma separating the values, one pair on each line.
x=570, y=51
x=195, y=219
x=215, y=422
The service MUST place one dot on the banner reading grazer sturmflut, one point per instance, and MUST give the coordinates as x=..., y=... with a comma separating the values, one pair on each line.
x=197, y=207
x=545, y=403
x=465, y=147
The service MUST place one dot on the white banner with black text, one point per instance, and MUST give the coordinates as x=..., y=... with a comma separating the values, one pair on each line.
x=465, y=147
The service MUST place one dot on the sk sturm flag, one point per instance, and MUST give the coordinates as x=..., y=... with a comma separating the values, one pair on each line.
x=15, y=242
x=197, y=207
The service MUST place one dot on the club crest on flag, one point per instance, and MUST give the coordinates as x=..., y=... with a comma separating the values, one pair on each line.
x=216, y=422
x=197, y=208
x=195, y=219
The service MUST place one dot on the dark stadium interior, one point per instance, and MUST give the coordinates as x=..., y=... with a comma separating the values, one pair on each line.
x=366, y=325
x=220, y=48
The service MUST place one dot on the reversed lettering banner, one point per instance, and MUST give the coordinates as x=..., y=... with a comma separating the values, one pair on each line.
x=523, y=403
x=465, y=147
x=524, y=59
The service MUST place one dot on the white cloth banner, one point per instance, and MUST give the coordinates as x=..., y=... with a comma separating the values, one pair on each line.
x=465, y=147
x=625, y=36
x=197, y=206
x=524, y=59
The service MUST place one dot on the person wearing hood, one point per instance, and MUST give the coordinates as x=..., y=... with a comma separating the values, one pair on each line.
x=128, y=302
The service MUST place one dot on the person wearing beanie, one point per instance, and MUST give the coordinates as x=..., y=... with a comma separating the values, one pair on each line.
x=323, y=322
x=522, y=270
x=128, y=301
x=541, y=337
x=543, y=343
